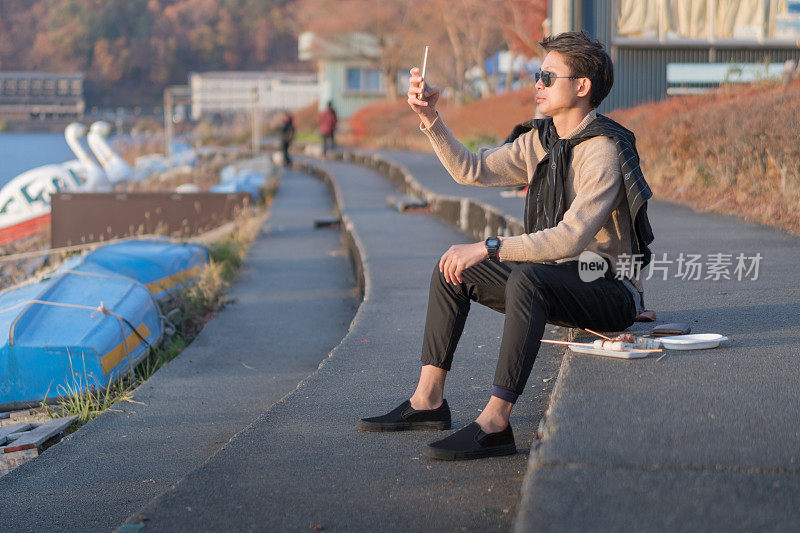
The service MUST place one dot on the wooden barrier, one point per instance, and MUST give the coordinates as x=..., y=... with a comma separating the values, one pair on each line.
x=78, y=218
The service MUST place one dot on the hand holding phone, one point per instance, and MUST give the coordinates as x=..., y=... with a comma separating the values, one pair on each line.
x=422, y=98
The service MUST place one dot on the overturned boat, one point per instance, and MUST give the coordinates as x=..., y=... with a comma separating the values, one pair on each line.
x=161, y=266
x=71, y=333
x=93, y=321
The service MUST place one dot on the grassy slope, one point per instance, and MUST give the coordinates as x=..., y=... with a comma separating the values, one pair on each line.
x=733, y=152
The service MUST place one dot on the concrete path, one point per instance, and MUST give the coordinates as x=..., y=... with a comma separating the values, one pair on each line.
x=701, y=440
x=303, y=463
x=293, y=302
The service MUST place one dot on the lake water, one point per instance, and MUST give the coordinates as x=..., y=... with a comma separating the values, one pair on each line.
x=23, y=151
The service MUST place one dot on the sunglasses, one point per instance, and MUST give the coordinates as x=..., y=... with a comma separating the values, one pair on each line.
x=548, y=77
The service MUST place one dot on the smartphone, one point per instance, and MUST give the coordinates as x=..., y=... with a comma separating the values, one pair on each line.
x=422, y=74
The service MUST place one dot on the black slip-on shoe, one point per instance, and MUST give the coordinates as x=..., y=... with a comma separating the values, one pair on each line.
x=470, y=442
x=404, y=417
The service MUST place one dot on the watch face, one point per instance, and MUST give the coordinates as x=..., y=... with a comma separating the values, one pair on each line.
x=493, y=242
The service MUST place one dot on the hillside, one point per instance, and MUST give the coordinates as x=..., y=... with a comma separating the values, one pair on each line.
x=131, y=50
x=733, y=152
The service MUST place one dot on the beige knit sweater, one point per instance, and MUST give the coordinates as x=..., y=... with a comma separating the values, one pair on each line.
x=597, y=216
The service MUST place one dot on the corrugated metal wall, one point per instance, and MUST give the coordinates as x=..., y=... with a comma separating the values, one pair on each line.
x=640, y=73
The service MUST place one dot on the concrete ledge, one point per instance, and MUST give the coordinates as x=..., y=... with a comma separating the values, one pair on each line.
x=469, y=215
x=698, y=440
x=307, y=442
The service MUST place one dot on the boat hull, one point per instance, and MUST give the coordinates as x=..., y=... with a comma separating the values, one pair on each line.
x=25, y=229
x=59, y=342
x=162, y=266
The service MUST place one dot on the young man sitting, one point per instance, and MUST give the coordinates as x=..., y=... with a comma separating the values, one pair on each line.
x=586, y=193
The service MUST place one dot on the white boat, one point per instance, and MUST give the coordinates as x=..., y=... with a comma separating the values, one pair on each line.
x=183, y=157
x=25, y=200
x=88, y=170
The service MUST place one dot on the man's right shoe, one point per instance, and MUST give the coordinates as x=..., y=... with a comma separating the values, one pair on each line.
x=405, y=418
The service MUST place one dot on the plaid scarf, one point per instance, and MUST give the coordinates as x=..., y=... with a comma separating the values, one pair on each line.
x=545, y=202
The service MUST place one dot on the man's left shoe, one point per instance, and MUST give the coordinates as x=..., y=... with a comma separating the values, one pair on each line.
x=470, y=442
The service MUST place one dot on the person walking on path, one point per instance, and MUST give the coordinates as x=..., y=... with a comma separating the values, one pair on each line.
x=327, y=128
x=287, y=136
x=586, y=195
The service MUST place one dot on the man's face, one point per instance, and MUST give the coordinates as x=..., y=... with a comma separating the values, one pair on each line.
x=562, y=93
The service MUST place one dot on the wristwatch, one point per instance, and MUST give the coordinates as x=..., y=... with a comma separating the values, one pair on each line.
x=493, y=247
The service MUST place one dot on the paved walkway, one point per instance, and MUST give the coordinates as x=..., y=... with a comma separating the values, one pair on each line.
x=702, y=440
x=304, y=464
x=293, y=302
x=699, y=440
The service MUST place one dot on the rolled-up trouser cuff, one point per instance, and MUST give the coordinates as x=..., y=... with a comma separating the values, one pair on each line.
x=433, y=362
x=505, y=394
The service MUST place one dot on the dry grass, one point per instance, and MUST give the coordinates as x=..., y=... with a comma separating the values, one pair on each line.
x=733, y=152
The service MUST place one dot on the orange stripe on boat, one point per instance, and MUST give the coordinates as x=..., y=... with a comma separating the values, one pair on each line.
x=112, y=358
x=167, y=283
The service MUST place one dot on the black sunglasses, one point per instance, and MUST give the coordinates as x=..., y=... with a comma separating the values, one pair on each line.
x=548, y=77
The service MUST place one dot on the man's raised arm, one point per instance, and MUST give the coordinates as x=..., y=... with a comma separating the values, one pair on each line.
x=503, y=166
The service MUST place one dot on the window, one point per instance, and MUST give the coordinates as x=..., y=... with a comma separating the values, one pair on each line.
x=708, y=20
x=362, y=80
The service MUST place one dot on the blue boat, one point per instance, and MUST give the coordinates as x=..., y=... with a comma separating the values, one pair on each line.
x=248, y=181
x=162, y=266
x=56, y=340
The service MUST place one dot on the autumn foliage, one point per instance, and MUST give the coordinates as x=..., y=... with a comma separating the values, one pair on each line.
x=481, y=122
x=131, y=49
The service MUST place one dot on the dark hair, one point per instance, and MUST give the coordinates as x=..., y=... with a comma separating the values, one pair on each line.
x=586, y=58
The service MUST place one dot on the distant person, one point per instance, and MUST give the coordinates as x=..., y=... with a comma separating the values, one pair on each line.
x=587, y=199
x=287, y=136
x=327, y=128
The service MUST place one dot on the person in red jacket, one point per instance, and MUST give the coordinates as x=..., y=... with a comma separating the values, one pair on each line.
x=327, y=128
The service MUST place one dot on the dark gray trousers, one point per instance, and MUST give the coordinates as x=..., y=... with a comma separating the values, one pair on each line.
x=530, y=295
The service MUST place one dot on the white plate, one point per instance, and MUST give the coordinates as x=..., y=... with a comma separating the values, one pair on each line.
x=696, y=341
x=608, y=353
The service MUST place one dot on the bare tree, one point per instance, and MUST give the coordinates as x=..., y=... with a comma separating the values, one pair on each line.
x=464, y=33
x=474, y=35
x=393, y=23
x=522, y=22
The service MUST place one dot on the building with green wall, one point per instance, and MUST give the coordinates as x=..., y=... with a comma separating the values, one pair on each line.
x=347, y=69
